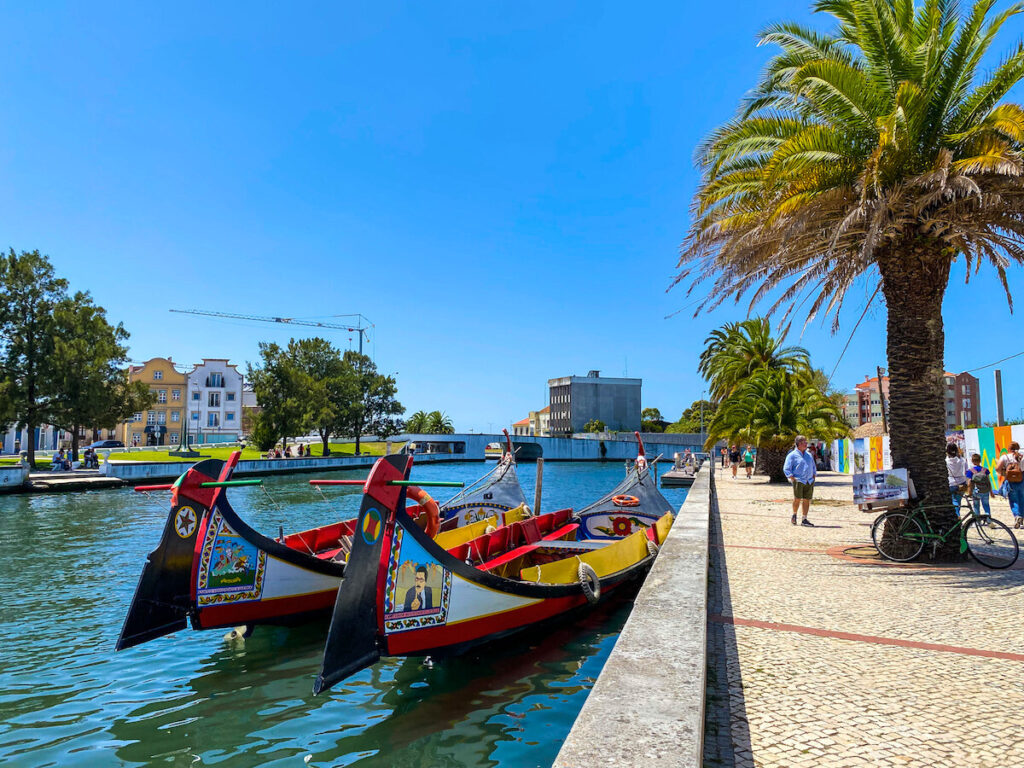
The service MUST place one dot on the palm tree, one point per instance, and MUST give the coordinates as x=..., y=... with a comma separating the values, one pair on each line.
x=734, y=351
x=439, y=424
x=769, y=409
x=417, y=423
x=876, y=153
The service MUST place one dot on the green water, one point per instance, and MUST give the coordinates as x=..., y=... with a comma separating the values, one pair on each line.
x=68, y=568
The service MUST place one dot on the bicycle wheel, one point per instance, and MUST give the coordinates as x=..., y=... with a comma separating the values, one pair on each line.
x=898, y=536
x=991, y=543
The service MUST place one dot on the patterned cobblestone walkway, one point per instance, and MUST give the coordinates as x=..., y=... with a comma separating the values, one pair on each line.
x=821, y=660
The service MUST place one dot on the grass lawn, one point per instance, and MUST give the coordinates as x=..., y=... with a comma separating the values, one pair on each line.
x=248, y=454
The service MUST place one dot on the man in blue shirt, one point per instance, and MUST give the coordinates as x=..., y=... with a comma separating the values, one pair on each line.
x=800, y=471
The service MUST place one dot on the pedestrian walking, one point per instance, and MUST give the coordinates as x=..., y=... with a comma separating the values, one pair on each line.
x=748, y=461
x=1011, y=467
x=725, y=455
x=956, y=472
x=734, y=459
x=800, y=471
x=979, y=481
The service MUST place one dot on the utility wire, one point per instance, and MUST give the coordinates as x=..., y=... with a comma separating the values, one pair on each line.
x=997, y=362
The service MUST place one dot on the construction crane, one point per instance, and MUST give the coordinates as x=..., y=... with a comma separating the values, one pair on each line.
x=359, y=328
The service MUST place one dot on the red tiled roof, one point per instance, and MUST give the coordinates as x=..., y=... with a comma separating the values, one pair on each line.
x=545, y=409
x=522, y=423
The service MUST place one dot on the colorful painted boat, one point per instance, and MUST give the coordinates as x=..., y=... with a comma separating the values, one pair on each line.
x=407, y=595
x=496, y=492
x=634, y=504
x=213, y=570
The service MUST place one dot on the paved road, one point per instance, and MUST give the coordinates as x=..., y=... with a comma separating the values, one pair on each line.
x=819, y=660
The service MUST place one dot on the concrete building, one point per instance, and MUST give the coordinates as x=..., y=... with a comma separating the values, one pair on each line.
x=962, y=395
x=537, y=424
x=521, y=428
x=162, y=423
x=963, y=400
x=215, y=402
x=576, y=400
x=47, y=438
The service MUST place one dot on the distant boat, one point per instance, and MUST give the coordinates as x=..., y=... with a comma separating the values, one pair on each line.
x=407, y=595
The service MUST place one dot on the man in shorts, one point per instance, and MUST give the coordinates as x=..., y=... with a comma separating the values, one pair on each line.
x=800, y=471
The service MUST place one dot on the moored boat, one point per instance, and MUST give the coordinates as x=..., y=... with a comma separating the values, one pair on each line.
x=496, y=492
x=407, y=595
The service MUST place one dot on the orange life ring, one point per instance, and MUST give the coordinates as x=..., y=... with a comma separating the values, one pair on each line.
x=625, y=501
x=428, y=505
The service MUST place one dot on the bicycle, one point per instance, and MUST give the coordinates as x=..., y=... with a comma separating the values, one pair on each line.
x=900, y=535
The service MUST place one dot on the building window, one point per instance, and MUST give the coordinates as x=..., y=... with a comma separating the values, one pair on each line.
x=195, y=395
x=173, y=438
x=136, y=437
x=161, y=418
x=230, y=397
x=229, y=416
x=195, y=415
x=158, y=375
x=175, y=394
x=215, y=380
x=138, y=416
x=213, y=401
x=175, y=416
x=161, y=396
x=213, y=419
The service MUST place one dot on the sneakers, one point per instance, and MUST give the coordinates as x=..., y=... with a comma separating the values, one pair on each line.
x=807, y=522
x=1017, y=522
x=793, y=520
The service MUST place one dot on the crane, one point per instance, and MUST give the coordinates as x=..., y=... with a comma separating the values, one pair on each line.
x=359, y=327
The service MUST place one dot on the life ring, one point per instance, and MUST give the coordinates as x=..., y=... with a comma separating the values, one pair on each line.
x=589, y=582
x=427, y=505
x=625, y=501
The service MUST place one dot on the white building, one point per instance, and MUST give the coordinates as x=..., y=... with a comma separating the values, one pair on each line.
x=215, y=402
x=48, y=438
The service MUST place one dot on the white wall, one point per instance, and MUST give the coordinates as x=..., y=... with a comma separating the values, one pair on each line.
x=197, y=382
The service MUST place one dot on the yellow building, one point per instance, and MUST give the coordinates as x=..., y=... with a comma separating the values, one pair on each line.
x=163, y=422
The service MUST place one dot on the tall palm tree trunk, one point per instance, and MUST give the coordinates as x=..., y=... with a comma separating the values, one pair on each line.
x=914, y=282
x=770, y=461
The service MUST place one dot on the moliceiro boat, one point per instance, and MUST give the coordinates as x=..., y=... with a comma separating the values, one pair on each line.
x=213, y=570
x=405, y=594
x=634, y=504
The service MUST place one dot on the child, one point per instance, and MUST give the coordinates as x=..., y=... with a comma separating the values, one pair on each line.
x=980, y=487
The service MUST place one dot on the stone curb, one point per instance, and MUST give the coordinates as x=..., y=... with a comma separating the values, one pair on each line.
x=647, y=706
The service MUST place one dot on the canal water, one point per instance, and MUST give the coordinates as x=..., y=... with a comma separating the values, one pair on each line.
x=68, y=568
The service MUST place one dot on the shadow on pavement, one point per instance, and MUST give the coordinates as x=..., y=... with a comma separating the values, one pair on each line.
x=726, y=732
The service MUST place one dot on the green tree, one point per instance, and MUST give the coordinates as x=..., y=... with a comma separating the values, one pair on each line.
x=650, y=420
x=769, y=409
x=734, y=351
x=439, y=424
x=694, y=419
x=29, y=294
x=417, y=423
x=879, y=152
x=281, y=391
x=594, y=425
x=331, y=385
x=88, y=370
x=263, y=431
x=377, y=409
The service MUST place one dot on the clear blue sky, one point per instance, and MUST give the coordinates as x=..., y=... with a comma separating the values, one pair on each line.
x=500, y=187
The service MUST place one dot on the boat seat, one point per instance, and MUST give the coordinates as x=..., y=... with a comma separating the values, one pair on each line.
x=565, y=530
x=548, y=540
x=531, y=530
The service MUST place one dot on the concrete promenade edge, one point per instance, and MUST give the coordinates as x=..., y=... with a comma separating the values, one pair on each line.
x=647, y=706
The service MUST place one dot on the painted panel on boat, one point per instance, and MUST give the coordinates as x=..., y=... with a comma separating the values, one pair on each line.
x=230, y=568
x=418, y=588
x=615, y=524
x=286, y=580
x=471, y=513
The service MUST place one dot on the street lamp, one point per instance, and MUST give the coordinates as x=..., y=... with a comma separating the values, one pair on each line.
x=702, y=419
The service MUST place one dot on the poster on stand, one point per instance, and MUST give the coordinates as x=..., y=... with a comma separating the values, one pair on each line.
x=887, y=488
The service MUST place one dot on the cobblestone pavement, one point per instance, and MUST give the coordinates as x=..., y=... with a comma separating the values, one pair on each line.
x=796, y=695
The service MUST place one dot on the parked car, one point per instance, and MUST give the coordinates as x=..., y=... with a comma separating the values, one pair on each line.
x=105, y=444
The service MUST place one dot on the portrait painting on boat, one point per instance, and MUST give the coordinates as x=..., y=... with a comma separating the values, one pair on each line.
x=418, y=587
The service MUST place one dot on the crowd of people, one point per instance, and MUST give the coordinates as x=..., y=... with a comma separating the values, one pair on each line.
x=973, y=481
x=301, y=451
x=61, y=461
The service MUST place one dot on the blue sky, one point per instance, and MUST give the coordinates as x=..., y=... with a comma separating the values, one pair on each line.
x=500, y=187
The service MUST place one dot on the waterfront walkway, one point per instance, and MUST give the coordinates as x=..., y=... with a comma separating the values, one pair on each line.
x=816, y=658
